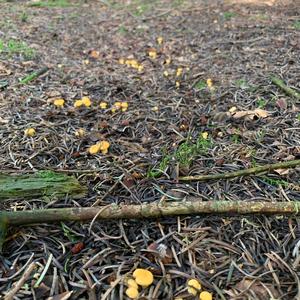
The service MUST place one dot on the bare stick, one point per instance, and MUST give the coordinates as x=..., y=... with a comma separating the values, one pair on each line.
x=289, y=91
x=244, y=172
x=193, y=206
x=10, y=295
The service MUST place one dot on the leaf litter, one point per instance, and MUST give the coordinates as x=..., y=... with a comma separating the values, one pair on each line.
x=152, y=80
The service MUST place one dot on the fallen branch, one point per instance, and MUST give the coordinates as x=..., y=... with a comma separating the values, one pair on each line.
x=289, y=91
x=152, y=210
x=244, y=172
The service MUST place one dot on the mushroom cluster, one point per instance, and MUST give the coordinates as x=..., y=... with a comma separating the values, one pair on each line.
x=141, y=277
x=194, y=287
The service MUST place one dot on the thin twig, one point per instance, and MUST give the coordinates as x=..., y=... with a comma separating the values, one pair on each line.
x=289, y=91
x=244, y=172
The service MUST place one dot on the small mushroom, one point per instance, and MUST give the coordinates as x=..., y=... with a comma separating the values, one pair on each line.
x=143, y=277
x=59, y=102
x=124, y=106
x=205, y=296
x=78, y=103
x=94, y=149
x=103, y=146
x=131, y=283
x=132, y=292
x=103, y=105
x=29, y=132
x=193, y=286
x=86, y=101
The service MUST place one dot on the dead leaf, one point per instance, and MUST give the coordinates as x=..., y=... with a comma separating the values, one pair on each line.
x=251, y=114
x=282, y=171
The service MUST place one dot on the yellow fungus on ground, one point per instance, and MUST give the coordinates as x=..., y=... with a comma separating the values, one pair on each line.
x=78, y=103
x=152, y=53
x=124, y=106
x=86, y=101
x=209, y=82
x=132, y=293
x=80, y=132
x=159, y=40
x=232, y=109
x=113, y=110
x=131, y=283
x=177, y=84
x=205, y=296
x=59, y=102
x=204, y=135
x=154, y=108
x=166, y=73
x=193, y=286
x=121, y=61
x=168, y=61
x=103, y=146
x=134, y=64
x=30, y=132
x=141, y=68
x=86, y=62
x=179, y=72
x=118, y=105
x=103, y=105
x=143, y=277
x=94, y=149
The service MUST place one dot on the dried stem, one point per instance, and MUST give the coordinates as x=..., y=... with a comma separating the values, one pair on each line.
x=244, y=172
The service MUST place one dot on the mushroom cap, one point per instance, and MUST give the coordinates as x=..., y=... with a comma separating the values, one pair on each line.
x=29, y=132
x=104, y=145
x=86, y=101
x=103, y=105
x=132, y=292
x=131, y=283
x=124, y=104
x=143, y=277
x=117, y=105
x=94, y=149
x=193, y=286
x=78, y=103
x=59, y=102
x=205, y=296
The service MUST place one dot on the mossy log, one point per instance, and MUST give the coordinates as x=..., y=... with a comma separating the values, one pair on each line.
x=43, y=183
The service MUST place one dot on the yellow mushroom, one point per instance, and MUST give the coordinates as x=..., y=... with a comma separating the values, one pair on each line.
x=86, y=101
x=59, y=102
x=29, y=132
x=103, y=105
x=118, y=105
x=166, y=73
x=94, y=149
x=205, y=296
x=152, y=53
x=143, y=277
x=78, y=103
x=193, y=286
x=209, y=83
x=179, y=72
x=124, y=106
x=103, y=146
x=132, y=292
x=121, y=61
x=131, y=283
x=140, y=68
x=160, y=40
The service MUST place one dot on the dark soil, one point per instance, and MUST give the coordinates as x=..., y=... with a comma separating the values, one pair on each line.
x=238, y=47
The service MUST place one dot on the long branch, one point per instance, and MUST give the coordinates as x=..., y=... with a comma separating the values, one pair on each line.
x=194, y=206
x=244, y=172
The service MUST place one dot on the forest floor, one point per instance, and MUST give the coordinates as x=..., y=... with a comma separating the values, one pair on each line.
x=196, y=78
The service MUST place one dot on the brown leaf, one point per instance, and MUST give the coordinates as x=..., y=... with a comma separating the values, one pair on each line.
x=282, y=171
x=77, y=247
x=251, y=114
